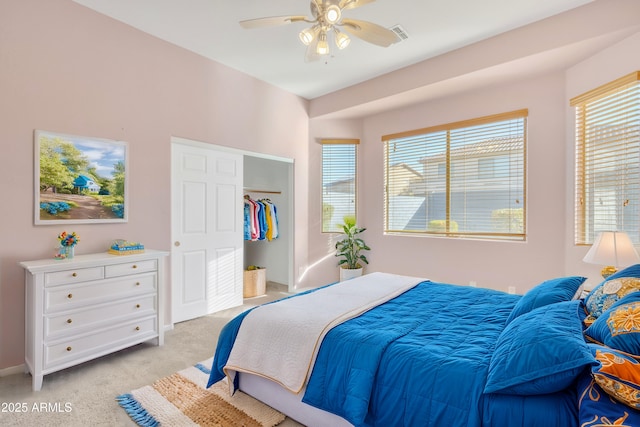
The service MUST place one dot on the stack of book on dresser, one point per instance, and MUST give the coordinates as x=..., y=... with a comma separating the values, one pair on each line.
x=125, y=247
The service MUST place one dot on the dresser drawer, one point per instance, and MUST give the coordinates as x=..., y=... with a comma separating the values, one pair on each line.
x=73, y=276
x=103, y=314
x=123, y=269
x=101, y=342
x=77, y=296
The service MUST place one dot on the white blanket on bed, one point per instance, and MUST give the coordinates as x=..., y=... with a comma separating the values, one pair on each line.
x=280, y=341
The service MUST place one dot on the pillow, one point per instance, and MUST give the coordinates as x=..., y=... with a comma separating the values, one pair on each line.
x=619, y=326
x=540, y=352
x=605, y=294
x=597, y=408
x=618, y=374
x=631, y=271
x=547, y=292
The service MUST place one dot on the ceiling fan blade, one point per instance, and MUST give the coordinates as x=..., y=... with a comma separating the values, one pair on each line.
x=272, y=21
x=315, y=8
x=352, y=4
x=370, y=32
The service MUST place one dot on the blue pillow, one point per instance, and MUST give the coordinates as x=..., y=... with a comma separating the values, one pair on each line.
x=547, y=292
x=631, y=271
x=619, y=326
x=597, y=408
x=618, y=374
x=600, y=298
x=540, y=352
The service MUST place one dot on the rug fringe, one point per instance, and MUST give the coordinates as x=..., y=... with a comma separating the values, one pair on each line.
x=136, y=411
x=203, y=368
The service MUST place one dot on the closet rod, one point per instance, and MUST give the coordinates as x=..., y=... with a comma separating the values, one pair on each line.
x=249, y=190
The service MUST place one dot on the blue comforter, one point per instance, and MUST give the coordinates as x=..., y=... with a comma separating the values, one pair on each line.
x=439, y=354
x=420, y=359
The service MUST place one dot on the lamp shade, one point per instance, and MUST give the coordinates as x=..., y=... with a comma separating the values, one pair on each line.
x=322, y=47
x=306, y=36
x=612, y=248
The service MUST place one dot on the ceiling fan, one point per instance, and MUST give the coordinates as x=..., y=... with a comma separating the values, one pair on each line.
x=327, y=17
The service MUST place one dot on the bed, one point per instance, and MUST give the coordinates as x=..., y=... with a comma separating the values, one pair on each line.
x=390, y=350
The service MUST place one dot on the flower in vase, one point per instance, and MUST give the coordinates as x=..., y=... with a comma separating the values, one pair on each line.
x=68, y=239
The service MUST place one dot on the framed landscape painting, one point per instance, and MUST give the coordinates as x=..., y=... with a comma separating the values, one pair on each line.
x=79, y=179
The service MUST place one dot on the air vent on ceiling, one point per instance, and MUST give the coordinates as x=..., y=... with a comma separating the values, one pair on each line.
x=402, y=34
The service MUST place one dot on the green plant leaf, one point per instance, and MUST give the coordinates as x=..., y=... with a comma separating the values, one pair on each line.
x=350, y=246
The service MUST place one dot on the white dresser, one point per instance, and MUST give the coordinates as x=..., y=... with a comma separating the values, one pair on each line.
x=82, y=308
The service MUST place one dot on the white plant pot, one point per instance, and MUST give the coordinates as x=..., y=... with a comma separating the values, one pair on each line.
x=350, y=273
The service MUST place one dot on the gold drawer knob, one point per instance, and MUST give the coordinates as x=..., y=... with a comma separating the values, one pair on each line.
x=137, y=328
x=134, y=266
x=137, y=283
x=137, y=305
x=69, y=348
x=75, y=274
x=69, y=320
x=70, y=296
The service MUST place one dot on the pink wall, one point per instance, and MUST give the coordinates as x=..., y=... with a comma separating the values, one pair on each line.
x=607, y=65
x=555, y=59
x=564, y=35
x=322, y=263
x=490, y=264
x=68, y=69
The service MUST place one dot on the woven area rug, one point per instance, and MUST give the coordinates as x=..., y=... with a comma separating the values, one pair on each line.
x=181, y=399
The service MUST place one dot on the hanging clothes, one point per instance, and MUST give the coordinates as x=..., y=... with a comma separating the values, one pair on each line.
x=260, y=219
x=272, y=218
x=247, y=219
x=251, y=217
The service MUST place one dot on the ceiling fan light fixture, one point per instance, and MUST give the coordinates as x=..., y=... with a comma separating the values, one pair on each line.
x=342, y=40
x=306, y=36
x=332, y=14
x=324, y=23
x=323, y=47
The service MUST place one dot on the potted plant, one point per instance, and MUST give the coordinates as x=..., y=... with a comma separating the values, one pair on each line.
x=350, y=248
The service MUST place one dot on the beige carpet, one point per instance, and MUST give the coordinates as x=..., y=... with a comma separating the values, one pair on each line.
x=84, y=395
x=182, y=399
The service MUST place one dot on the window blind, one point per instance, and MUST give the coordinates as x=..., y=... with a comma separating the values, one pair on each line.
x=463, y=179
x=607, y=128
x=339, y=176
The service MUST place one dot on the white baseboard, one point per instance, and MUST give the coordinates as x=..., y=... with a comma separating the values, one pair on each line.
x=12, y=370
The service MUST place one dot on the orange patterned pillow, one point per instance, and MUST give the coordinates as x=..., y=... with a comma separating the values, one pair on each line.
x=619, y=375
x=597, y=408
x=619, y=327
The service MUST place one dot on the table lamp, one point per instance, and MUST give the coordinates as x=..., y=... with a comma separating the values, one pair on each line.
x=612, y=249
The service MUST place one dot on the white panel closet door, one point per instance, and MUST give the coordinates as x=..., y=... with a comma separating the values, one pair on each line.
x=207, y=227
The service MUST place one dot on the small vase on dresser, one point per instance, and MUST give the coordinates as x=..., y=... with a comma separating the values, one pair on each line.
x=84, y=307
x=66, y=252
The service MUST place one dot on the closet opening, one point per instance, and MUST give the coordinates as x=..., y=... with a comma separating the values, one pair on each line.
x=268, y=183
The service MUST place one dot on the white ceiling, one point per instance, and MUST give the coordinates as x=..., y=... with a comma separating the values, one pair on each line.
x=275, y=55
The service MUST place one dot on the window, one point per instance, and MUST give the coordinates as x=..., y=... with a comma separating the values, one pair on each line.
x=608, y=160
x=493, y=167
x=464, y=179
x=338, y=182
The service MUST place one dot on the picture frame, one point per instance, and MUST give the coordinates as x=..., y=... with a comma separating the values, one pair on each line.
x=79, y=179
